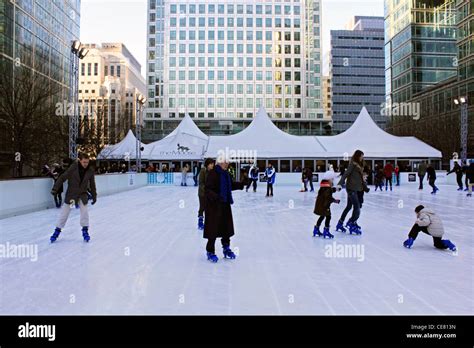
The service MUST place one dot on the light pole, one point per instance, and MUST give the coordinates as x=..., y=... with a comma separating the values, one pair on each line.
x=463, y=102
x=77, y=53
x=140, y=102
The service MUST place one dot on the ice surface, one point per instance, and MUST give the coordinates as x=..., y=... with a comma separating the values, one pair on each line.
x=146, y=256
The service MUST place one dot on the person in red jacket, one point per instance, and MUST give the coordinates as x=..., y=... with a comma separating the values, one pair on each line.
x=388, y=172
x=397, y=174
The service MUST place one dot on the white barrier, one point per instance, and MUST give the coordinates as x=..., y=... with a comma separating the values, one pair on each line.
x=26, y=195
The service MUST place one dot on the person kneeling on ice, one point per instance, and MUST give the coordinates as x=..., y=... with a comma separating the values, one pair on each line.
x=323, y=204
x=80, y=178
x=218, y=211
x=430, y=223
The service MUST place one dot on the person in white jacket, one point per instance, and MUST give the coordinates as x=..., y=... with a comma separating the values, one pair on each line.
x=430, y=223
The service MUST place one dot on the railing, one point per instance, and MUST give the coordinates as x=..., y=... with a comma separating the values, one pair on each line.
x=160, y=178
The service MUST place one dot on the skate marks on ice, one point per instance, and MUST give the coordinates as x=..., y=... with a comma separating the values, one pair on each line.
x=146, y=256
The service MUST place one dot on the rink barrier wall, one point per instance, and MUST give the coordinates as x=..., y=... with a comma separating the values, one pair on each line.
x=27, y=195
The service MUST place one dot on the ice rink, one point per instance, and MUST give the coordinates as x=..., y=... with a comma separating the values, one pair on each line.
x=146, y=256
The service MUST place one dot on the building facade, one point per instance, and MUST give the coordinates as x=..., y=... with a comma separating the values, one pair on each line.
x=109, y=82
x=439, y=122
x=220, y=61
x=420, y=46
x=357, y=71
x=36, y=36
x=327, y=97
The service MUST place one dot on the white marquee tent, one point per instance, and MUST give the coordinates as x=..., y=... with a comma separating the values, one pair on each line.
x=186, y=142
x=120, y=151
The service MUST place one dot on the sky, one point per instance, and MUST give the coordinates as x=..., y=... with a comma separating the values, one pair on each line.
x=125, y=21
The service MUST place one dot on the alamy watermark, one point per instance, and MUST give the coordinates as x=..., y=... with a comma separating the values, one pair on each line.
x=237, y=155
x=401, y=109
x=345, y=251
x=20, y=251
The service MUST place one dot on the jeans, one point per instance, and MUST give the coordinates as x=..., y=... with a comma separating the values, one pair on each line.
x=354, y=204
x=438, y=243
x=421, y=177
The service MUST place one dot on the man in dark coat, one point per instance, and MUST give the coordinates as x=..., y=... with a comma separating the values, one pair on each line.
x=457, y=169
x=80, y=178
x=432, y=178
x=218, y=211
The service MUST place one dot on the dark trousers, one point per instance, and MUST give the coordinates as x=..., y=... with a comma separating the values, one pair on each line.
x=195, y=180
x=459, y=180
x=431, y=182
x=388, y=180
x=417, y=229
x=58, y=199
x=269, y=189
x=398, y=179
x=202, y=201
x=354, y=204
x=211, y=244
x=421, y=177
x=311, y=184
x=321, y=219
x=252, y=182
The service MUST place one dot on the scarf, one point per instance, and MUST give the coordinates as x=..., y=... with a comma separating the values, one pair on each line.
x=225, y=185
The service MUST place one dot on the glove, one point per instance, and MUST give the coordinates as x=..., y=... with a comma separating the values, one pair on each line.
x=54, y=192
x=367, y=190
x=94, y=200
x=408, y=243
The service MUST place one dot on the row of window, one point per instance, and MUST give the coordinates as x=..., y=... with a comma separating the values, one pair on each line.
x=238, y=9
x=238, y=75
x=114, y=70
x=212, y=102
x=231, y=62
x=231, y=22
x=233, y=35
x=239, y=48
x=231, y=89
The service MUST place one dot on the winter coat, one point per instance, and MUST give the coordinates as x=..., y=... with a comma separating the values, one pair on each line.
x=219, y=222
x=379, y=176
x=354, y=176
x=427, y=217
x=270, y=174
x=388, y=171
x=253, y=173
x=431, y=173
x=202, y=182
x=470, y=173
x=324, y=199
x=457, y=169
x=422, y=169
x=76, y=189
x=309, y=174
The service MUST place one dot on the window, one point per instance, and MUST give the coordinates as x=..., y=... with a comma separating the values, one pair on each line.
x=118, y=70
x=83, y=69
x=112, y=70
x=106, y=70
x=89, y=69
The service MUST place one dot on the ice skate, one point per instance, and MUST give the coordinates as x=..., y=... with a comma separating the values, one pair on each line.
x=327, y=234
x=317, y=232
x=228, y=253
x=212, y=257
x=448, y=244
x=201, y=222
x=408, y=243
x=85, y=234
x=340, y=227
x=55, y=235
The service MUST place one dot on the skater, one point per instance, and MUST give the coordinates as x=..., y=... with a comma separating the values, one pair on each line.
x=309, y=178
x=378, y=173
x=421, y=174
x=55, y=172
x=458, y=170
x=253, y=178
x=470, y=178
x=354, y=179
x=196, y=170
x=304, y=181
x=80, y=178
x=218, y=211
x=464, y=170
x=322, y=207
x=184, y=175
x=432, y=178
x=430, y=223
x=388, y=172
x=270, y=173
x=397, y=175
x=208, y=166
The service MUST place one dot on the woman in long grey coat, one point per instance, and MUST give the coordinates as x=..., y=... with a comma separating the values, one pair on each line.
x=80, y=178
x=219, y=222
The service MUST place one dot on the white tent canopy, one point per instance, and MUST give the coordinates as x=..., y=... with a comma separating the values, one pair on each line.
x=365, y=135
x=266, y=140
x=126, y=148
x=186, y=142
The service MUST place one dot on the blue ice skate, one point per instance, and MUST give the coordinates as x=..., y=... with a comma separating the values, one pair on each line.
x=448, y=244
x=85, y=234
x=201, y=222
x=408, y=243
x=340, y=227
x=228, y=253
x=354, y=228
x=55, y=235
x=212, y=257
x=317, y=232
x=327, y=234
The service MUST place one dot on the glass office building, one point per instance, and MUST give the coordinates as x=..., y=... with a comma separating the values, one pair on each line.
x=357, y=71
x=220, y=61
x=420, y=46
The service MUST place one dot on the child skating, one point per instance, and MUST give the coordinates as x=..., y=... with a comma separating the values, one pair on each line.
x=80, y=178
x=428, y=222
x=322, y=207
